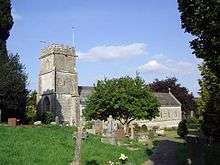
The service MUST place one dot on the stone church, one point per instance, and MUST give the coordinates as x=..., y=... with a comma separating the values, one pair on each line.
x=59, y=93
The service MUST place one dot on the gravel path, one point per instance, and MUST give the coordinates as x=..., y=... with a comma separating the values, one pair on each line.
x=165, y=154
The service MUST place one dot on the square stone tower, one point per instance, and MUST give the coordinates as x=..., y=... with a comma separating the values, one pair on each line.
x=58, y=83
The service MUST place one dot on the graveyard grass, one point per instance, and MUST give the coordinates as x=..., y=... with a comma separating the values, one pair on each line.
x=54, y=145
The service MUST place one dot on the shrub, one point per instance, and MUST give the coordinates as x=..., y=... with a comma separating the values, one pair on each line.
x=182, y=130
x=31, y=113
x=193, y=120
x=88, y=125
x=47, y=117
x=151, y=134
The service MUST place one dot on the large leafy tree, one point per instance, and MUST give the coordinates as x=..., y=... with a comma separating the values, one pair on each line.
x=12, y=76
x=182, y=94
x=201, y=19
x=209, y=102
x=126, y=99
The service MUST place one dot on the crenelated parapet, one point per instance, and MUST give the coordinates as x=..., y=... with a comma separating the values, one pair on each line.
x=57, y=49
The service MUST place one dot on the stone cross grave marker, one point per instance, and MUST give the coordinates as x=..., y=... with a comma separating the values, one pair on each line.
x=111, y=128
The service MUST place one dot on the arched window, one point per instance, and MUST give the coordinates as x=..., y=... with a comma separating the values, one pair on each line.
x=168, y=113
x=175, y=114
x=46, y=104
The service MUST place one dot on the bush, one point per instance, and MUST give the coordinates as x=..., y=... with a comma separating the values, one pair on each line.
x=193, y=120
x=31, y=114
x=151, y=134
x=182, y=130
x=88, y=125
x=47, y=117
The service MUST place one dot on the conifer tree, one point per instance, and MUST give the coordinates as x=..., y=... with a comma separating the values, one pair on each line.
x=13, y=79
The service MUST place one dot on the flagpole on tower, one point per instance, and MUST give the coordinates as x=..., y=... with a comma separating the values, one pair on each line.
x=73, y=37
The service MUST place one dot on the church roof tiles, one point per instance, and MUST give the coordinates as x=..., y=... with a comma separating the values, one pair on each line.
x=165, y=99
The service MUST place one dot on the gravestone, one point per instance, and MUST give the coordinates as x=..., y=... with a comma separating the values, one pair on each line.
x=12, y=122
x=98, y=126
x=111, y=128
x=119, y=134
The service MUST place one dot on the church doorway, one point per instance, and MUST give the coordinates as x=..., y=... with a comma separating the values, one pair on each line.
x=46, y=105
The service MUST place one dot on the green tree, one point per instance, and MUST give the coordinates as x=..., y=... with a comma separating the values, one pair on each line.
x=182, y=130
x=126, y=99
x=181, y=93
x=6, y=23
x=201, y=19
x=31, y=107
x=13, y=78
x=13, y=90
x=209, y=102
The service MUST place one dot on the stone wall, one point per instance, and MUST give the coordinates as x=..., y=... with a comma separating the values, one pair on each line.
x=169, y=117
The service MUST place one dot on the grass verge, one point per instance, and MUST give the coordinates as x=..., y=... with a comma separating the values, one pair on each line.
x=44, y=145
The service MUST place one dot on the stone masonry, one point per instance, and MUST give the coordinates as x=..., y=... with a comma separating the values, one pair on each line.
x=58, y=83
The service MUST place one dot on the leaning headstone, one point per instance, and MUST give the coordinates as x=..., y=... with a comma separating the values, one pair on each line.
x=37, y=123
x=98, y=126
x=12, y=122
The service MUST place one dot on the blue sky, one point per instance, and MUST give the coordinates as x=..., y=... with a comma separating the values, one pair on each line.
x=113, y=38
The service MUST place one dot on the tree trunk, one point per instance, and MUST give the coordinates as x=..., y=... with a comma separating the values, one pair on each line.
x=126, y=128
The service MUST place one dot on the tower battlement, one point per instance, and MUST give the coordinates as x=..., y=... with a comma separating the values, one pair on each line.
x=57, y=49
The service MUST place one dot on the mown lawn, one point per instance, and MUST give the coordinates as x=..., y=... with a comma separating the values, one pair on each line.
x=39, y=145
x=54, y=145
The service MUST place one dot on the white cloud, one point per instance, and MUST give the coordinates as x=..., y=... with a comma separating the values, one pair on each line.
x=15, y=15
x=169, y=66
x=152, y=65
x=113, y=52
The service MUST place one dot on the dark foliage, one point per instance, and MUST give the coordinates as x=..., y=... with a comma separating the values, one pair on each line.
x=47, y=117
x=6, y=23
x=13, y=90
x=182, y=130
x=13, y=79
x=181, y=93
x=201, y=18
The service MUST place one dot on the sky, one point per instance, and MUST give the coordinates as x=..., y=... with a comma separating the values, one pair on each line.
x=112, y=38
